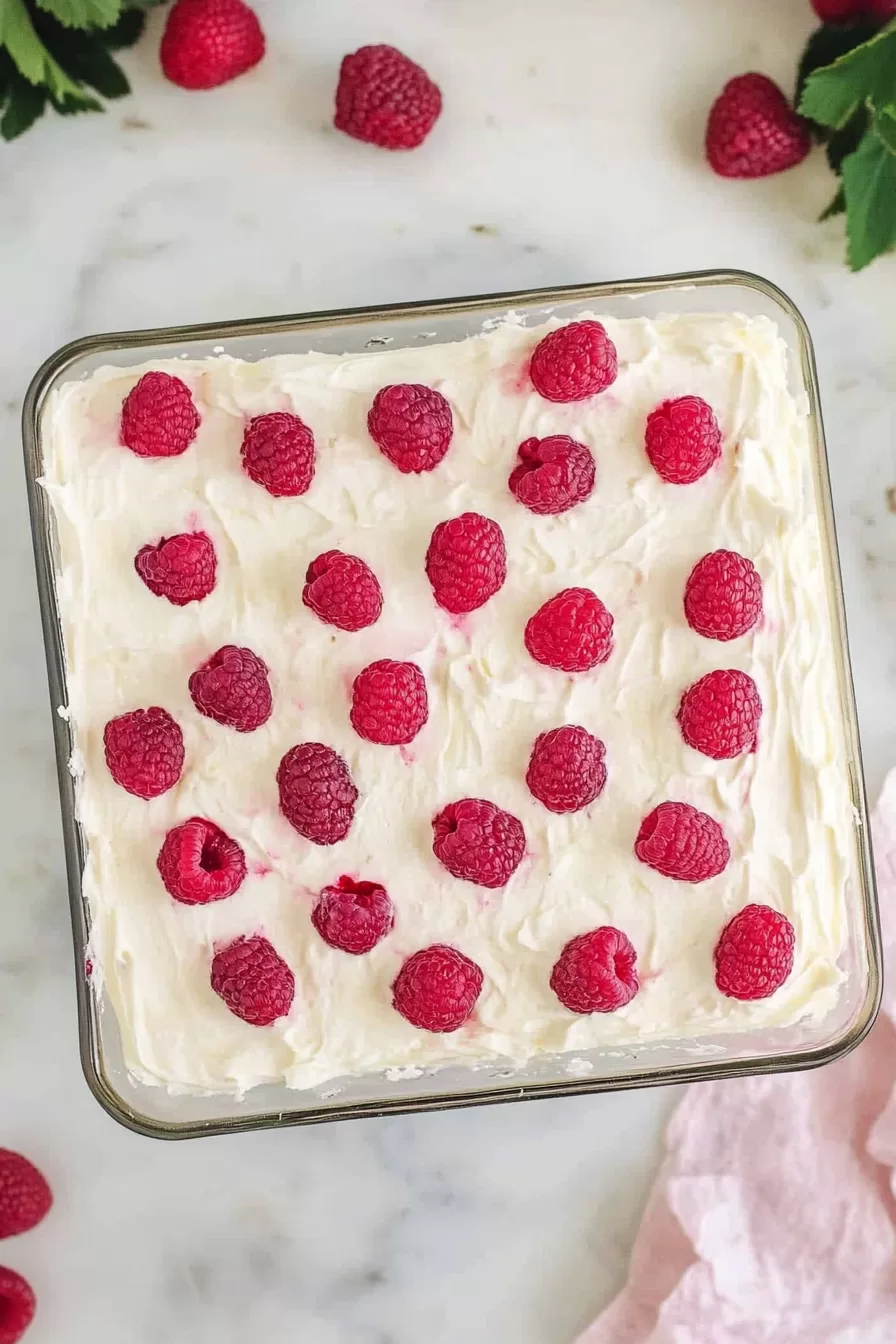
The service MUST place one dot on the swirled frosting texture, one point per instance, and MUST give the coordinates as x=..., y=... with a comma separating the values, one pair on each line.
x=785, y=809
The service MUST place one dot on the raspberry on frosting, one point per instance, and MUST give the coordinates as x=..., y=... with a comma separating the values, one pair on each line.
x=466, y=562
x=144, y=751
x=198, y=863
x=17, y=1305
x=683, y=439
x=719, y=715
x=389, y=702
x=253, y=980
x=553, y=474
x=343, y=591
x=317, y=792
x=25, y=1196
x=682, y=842
x=754, y=955
x=412, y=426
x=353, y=916
x=180, y=568
x=572, y=631
x=566, y=769
x=232, y=688
x=573, y=362
x=158, y=417
x=595, y=972
x=437, y=988
x=278, y=453
x=478, y=842
x=385, y=98
x=723, y=596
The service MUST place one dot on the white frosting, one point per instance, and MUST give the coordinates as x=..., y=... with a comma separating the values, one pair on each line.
x=785, y=809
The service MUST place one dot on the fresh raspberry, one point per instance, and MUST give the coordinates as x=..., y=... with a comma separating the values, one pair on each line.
x=683, y=439
x=847, y=11
x=566, y=769
x=200, y=863
x=437, y=988
x=25, y=1196
x=17, y=1305
x=466, y=562
x=144, y=751
x=752, y=130
x=478, y=842
x=723, y=596
x=680, y=841
x=343, y=591
x=232, y=688
x=317, y=793
x=253, y=980
x=353, y=916
x=278, y=453
x=754, y=954
x=181, y=568
x=158, y=418
x=595, y=973
x=389, y=702
x=383, y=97
x=572, y=631
x=573, y=362
x=719, y=715
x=553, y=474
x=209, y=42
x=412, y=425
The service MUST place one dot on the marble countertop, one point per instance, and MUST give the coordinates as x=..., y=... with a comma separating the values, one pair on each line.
x=570, y=150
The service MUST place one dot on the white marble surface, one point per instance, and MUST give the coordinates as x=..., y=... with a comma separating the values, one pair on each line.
x=572, y=130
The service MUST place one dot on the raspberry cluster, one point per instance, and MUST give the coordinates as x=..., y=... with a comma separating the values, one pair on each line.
x=466, y=563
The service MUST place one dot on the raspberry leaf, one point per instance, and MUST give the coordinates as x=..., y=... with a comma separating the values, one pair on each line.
x=31, y=57
x=83, y=13
x=867, y=73
x=24, y=104
x=869, y=186
x=836, y=207
x=826, y=45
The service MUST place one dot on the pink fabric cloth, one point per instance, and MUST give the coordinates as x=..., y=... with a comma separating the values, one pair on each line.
x=773, y=1219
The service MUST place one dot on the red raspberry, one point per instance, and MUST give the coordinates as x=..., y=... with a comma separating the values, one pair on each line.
x=683, y=439
x=317, y=793
x=572, y=631
x=25, y=1196
x=253, y=980
x=412, y=425
x=389, y=702
x=232, y=688
x=181, y=568
x=437, y=988
x=466, y=562
x=17, y=1305
x=353, y=916
x=144, y=751
x=383, y=97
x=595, y=973
x=200, y=863
x=566, y=770
x=723, y=596
x=209, y=42
x=158, y=418
x=680, y=841
x=278, y=453
x=754, y=954
x=553, y=474
x=752, y=130
x=573, y=362
x=478, y=842
x=343, y=591
x=719, y=715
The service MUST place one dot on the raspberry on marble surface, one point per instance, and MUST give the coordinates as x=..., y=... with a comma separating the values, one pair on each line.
x=753, y=131
x=210, y=42
x=17, y=1305
x=25, y=1195
x=385, y=98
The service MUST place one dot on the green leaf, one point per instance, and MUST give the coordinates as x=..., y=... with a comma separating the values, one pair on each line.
x=885, y=125
x=869, y=186
x=26, y=103
x=88, y=63
x=847, y=138
x=836, y=207
x=18, y=36
x=83, y=13
x=866, y=74
x=826, y=45
x=125, y=32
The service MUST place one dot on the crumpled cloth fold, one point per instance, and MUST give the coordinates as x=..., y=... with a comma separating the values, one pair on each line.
x=773, y=1218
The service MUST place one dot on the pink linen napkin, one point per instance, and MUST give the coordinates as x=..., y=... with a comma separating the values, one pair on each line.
x=773, y=1219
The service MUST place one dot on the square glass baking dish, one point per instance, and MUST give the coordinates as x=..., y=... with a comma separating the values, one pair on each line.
x=155, y=1112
